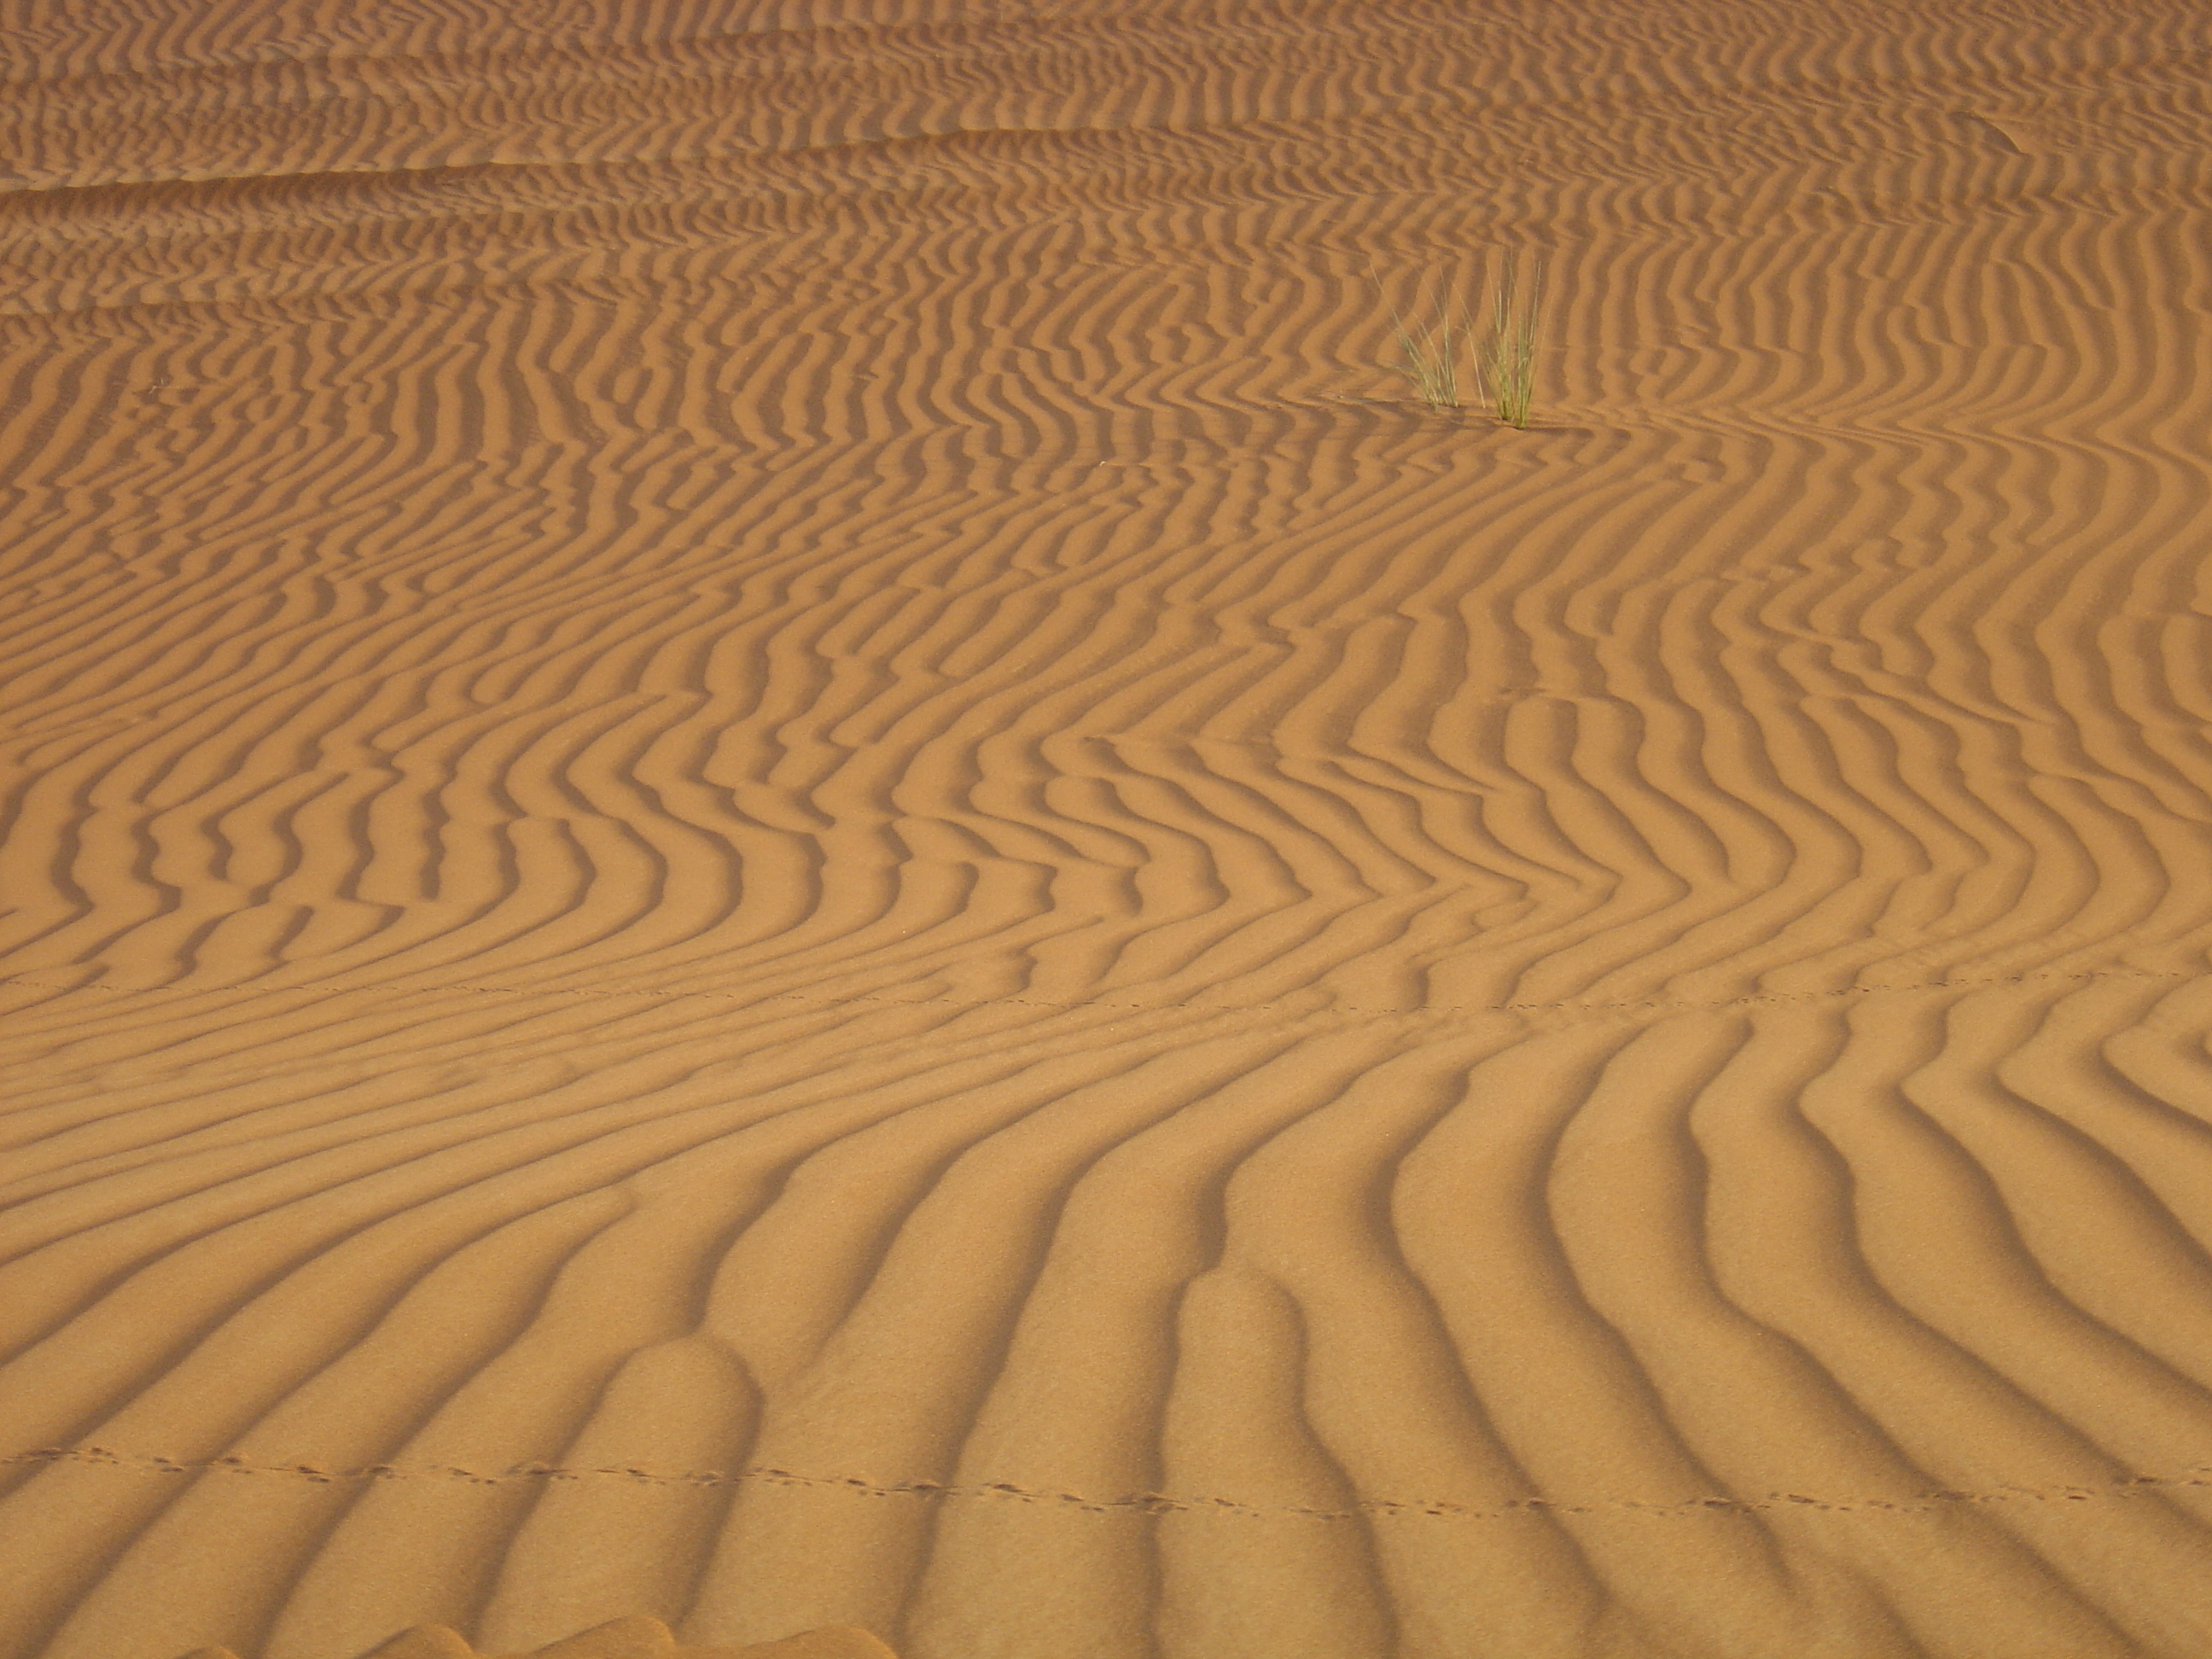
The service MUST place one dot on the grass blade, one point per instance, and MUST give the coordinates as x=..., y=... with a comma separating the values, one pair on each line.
x=1440, y=337
x=1429, y=346
x=1509, y=366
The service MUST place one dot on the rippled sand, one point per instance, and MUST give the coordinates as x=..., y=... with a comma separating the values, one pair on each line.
x=779, y=852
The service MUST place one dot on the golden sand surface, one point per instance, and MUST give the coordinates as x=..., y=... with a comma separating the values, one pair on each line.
x=779, y=852
x=638, y=1637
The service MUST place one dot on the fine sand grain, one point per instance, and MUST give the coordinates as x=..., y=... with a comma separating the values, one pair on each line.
x=780, y=851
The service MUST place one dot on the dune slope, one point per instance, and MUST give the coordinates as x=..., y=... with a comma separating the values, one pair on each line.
x=780, y=851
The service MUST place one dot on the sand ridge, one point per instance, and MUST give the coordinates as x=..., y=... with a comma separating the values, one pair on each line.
x=777, y=852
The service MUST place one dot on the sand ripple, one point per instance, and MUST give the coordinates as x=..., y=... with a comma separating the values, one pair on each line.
x=777, y=852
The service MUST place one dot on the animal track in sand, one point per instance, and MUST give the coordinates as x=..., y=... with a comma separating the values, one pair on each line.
x=1142, y=1502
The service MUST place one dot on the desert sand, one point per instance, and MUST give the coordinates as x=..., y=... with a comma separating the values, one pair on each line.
x=781, y=852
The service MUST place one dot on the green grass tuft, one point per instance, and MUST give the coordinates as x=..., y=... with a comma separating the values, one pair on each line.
x=1509, y=356
x=1440, y=339
x=1429, y=347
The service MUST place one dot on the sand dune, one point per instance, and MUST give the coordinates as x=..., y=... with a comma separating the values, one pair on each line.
x=779, y=853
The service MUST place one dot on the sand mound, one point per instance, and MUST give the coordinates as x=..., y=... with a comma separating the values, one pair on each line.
x=778, y=850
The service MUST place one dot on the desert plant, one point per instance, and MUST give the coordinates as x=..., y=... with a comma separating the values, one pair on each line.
x=1508, y=368
x=1429, y=348
x=1432, y=343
